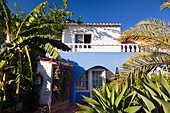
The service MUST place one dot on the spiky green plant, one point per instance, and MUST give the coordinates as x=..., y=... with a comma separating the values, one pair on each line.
x=109, y=102
x=155, y=97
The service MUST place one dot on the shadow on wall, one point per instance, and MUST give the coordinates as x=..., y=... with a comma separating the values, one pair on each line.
x=100, y=34
x=45, y=92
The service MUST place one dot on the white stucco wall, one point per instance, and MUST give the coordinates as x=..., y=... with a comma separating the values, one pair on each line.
x=45, y=69
x=104, y=38
x=100, y=35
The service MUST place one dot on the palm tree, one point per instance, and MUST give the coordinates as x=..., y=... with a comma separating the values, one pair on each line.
x=31, y=33
x=157, y=36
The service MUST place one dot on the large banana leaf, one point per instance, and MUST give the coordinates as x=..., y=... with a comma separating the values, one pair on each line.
x=4, y=20
x=30, y=17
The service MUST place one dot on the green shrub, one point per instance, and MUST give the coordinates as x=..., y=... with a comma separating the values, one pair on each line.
x=109, y=102
x=156, y=96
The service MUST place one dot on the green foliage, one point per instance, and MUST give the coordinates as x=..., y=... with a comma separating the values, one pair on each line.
x=28, y=97
x=26, y=34
x=155, y=97
x=28, y=93
x=110, y=102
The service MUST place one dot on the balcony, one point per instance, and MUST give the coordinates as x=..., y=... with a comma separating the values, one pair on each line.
x=79, y=47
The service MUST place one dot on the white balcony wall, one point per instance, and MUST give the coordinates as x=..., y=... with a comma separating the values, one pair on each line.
x=103, y=38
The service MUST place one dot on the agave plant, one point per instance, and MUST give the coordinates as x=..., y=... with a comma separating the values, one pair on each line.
x=109, y=102
x=155, y=97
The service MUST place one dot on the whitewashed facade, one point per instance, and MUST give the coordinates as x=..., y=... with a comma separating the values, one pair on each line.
x=96, y=38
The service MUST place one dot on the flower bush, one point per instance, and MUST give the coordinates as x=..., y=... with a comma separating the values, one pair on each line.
x=62, y=79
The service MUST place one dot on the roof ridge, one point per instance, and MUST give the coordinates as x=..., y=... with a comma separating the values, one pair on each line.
x=94, y=24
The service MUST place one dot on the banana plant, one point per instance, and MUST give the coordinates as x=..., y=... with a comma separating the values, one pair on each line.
x=109, y=102
x=32, y=33
x=155, y=97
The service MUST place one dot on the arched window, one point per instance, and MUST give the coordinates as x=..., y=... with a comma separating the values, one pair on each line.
x=91, y=79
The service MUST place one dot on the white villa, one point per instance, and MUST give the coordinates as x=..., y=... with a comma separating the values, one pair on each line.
x=96, y=54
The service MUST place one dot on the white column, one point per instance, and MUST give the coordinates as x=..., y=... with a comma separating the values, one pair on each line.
x=137, y=48
x=128, y=48
x=133, y=50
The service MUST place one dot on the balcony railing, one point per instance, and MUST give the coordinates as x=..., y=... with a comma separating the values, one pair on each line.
x=129, y=48
x=135, y=48
x=78, y=47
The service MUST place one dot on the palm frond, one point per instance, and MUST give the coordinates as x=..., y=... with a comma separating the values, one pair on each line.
x=142, y=62
x=166, y=4
x=153, y=31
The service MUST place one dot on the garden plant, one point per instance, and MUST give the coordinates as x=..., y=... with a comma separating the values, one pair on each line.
x=27, y=34
x=110, y=102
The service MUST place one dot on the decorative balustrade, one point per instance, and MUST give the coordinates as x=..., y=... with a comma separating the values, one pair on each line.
x=78, y=47
x=81, y=47
x=129, y=48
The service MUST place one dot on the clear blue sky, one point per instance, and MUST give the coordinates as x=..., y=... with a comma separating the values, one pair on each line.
x=126, y=12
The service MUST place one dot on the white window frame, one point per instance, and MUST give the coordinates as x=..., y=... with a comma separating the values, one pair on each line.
x=90, y=79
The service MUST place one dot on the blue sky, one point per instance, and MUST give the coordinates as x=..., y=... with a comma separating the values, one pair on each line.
x=126, y=12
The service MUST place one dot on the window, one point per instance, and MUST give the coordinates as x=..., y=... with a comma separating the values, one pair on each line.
x=83, y=38
x=96, y=79
x=79, y=38
x=82, y=82
x=91, y=79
